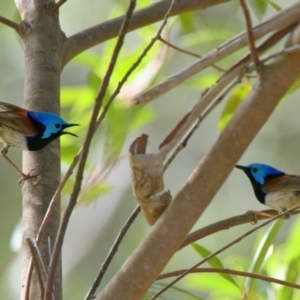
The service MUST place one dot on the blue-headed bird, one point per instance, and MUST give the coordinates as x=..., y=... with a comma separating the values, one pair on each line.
x=273, y=187
x=28, y=130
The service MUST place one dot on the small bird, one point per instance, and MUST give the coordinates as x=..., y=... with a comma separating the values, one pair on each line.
x=273, y=187
x=28, y=130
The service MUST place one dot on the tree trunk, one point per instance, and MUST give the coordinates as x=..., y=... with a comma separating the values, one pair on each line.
x=43, y=40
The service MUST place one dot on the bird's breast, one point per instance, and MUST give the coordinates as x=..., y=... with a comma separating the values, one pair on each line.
x=282, y=201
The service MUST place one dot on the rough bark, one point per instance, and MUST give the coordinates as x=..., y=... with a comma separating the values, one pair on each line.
x=43, y=40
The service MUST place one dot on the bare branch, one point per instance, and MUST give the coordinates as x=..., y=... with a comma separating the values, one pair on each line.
x=232, y=272
x=279, y=21
x=84, y=154
x=253, y=51
x=9, y=23
x=223, y=249
x=38, y=263
x=225, y=225
x=95, y=35
x=202, y=104
x=187, y=52
x=197, y=124
x=205, y=101
x=132, y=281
x=112, y=253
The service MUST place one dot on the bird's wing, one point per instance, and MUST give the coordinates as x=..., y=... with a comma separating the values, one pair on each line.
x=16, y=122
x=286, y=183
x=10, y=107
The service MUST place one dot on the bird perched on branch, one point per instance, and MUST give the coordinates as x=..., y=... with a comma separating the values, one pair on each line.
x=28, y=130
x=272, y=187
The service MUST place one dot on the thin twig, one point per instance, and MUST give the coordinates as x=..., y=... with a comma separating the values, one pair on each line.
x=136, y=63
x=225, y=225
x=82, y=160
x=59, y=4
x=9, y=23
x=137, y=210
x=222, y=249
x=276, y=22
x=38, y=263
x=213, y=92
x=251, y=39
x=187, y=52
x=231, y=272
x=283, y=51
x=112, y=253
x=183, y=144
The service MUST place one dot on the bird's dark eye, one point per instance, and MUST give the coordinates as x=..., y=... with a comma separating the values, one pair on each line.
x=58, y=126
x=254, y=170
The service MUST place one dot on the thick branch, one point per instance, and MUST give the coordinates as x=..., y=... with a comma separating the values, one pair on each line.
x=95, y=35
x=148, y=260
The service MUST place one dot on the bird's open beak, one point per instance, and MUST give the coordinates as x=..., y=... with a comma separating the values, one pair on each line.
x=70, y=133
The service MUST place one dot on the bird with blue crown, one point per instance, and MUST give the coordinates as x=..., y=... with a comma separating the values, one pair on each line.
x=272, y=187
x=28, y=130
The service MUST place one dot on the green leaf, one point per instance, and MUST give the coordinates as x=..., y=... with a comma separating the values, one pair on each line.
x=294, y=87
x=94, y=81
x=214, y=262
x=259, y=7
x=90, y=194
x=214, y=284
x=141, y=117
x=187, y=21
x=292, y=242
x=88, y=59
x=274, y=5
x=292, y=275
x=173, y=292
x=261, y=254
x=233, y=103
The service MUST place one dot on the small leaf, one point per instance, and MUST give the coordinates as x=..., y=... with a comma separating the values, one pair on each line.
x=214, y=262
x=91, y=194
x=294, y=87
x=261, y=254
x=173, y=292
x=292, y=274
x=274, y=5
x=233, y=103
x=259, y=7
x=88, y=59
x=141, y=117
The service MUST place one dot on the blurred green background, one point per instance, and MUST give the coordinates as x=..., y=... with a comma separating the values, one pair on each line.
x=107, y=200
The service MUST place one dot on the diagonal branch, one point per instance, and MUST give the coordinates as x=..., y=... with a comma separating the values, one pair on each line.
x=10, y=23
x=232, y=272
x=279, y=22
x=112, y=253
x=38, y=263
x=227, y=246
x=145, y=264
x=95, y=35
x=224, y=225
